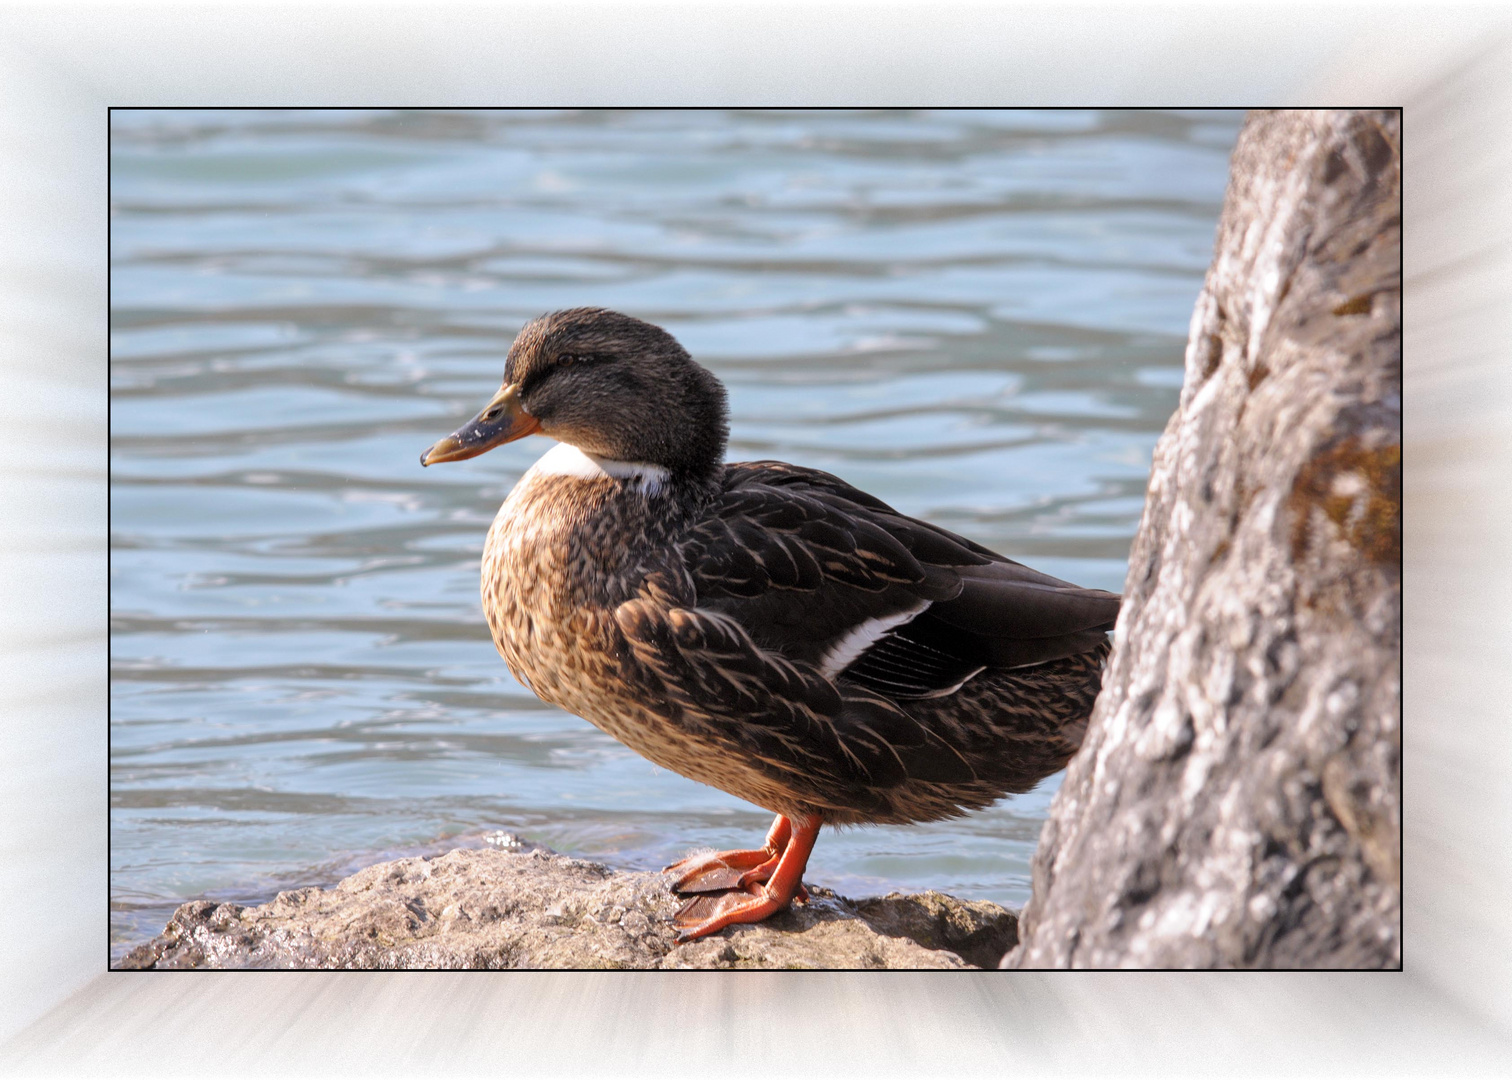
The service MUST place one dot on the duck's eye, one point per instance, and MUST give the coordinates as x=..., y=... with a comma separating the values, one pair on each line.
x=567, y=359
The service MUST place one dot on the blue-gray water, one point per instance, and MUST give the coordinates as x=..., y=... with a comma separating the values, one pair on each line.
x=977, y=316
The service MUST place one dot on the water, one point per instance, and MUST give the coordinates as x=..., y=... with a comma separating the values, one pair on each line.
x=977, y=316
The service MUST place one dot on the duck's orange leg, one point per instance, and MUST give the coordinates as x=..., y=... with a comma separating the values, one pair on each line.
x=720, y=870
x=755, y=901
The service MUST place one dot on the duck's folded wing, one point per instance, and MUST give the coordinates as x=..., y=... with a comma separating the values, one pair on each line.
x=826, y=574
x=797, y=723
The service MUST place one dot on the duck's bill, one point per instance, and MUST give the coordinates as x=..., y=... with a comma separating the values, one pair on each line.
x=502, y=420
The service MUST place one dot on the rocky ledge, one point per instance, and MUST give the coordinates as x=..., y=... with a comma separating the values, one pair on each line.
x=538, y=909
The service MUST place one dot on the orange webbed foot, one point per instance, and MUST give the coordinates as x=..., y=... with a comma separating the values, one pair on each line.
x=715, y=871
x=744, y=893
x=720, y=870
x=711, y=912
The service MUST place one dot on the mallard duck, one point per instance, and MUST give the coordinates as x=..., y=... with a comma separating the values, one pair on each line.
x=762, y=627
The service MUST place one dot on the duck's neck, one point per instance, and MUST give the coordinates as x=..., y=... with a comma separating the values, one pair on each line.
x=566, y=460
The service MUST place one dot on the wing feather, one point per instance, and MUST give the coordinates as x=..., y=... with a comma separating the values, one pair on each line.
x=789, y=717
x=832, y=563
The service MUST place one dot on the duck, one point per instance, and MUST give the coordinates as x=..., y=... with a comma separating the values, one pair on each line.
x=761, y=627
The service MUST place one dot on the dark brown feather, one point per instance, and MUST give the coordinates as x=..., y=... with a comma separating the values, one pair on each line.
x=1000, y=612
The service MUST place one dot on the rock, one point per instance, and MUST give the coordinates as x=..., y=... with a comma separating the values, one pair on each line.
x=538, y=909
x=1236, y=802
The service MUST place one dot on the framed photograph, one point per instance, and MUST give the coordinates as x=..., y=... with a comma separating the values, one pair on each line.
x=1057, y=404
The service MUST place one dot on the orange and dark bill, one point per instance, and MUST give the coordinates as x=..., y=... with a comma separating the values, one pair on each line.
x=502, y=420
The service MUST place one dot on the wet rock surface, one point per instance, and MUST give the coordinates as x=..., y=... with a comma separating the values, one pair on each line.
x=537, y=909
x=1236, y=802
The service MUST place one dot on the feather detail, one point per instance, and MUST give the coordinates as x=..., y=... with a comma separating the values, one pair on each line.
x=860, y=638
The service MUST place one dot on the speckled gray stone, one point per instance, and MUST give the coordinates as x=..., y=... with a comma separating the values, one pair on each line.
x=1236, y=802
x=538, y=909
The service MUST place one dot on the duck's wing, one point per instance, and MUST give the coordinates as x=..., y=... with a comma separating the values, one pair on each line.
x=824, y=573
x=839, y=745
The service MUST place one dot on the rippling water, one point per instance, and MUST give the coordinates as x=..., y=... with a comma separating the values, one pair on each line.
x=977, y=316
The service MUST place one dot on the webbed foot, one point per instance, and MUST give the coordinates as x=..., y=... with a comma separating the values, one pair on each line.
x=743, y=886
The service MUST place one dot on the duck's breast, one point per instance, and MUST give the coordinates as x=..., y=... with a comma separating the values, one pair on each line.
x=564, y=551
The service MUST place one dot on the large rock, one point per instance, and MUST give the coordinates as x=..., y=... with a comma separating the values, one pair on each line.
x=1236, y=801
x=538, y=909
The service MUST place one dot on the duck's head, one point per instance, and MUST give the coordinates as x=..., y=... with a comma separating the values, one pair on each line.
x=610, y=385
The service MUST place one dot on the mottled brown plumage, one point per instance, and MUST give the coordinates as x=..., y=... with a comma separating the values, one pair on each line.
x=761, y=627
